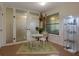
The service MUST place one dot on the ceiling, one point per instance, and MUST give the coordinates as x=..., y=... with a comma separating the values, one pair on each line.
x=35, y=6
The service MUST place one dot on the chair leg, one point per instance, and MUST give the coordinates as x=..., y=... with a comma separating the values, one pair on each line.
x=28, y=44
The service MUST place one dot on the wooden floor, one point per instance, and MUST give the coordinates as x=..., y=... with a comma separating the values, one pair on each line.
x=11, y=51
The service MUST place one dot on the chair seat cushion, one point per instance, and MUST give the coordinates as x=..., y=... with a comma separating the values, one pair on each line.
x=42, y=39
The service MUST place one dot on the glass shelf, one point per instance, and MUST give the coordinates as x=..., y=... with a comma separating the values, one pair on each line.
x=68, y=40
x=71, y=32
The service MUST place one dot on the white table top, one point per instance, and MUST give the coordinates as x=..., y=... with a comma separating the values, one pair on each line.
x=37, y=35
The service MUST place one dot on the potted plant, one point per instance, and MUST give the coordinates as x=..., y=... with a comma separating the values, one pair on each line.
x=40, y=30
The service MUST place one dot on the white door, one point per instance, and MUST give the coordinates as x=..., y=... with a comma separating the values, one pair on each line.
x=32, y=22
x=0, y=27
x=20, y=25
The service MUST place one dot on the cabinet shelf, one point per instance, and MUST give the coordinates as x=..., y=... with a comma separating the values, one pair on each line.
x=71, y=23
x=72, y=41
x=71, y=32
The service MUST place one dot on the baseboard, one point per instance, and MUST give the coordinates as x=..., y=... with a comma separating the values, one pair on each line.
x=14, y=43
x=56, y=43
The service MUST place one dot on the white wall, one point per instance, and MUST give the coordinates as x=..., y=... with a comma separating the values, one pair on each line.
x=64, y=11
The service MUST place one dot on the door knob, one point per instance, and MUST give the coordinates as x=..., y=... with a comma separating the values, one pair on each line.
x=0, y=29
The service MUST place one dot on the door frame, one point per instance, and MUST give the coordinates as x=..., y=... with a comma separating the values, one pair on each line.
x=3, y=40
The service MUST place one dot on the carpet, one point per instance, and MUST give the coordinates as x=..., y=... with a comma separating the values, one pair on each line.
x=38, y=48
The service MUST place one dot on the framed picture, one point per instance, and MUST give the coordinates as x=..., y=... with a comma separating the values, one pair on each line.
x=52, y=24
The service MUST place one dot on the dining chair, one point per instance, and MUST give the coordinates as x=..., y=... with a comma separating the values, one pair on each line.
x=44, y=39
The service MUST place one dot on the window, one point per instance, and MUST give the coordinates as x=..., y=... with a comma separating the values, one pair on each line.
x=52, y=24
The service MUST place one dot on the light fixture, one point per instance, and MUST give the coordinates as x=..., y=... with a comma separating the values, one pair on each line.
x=42, y=3
x=53, y=18
x=70, y=16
